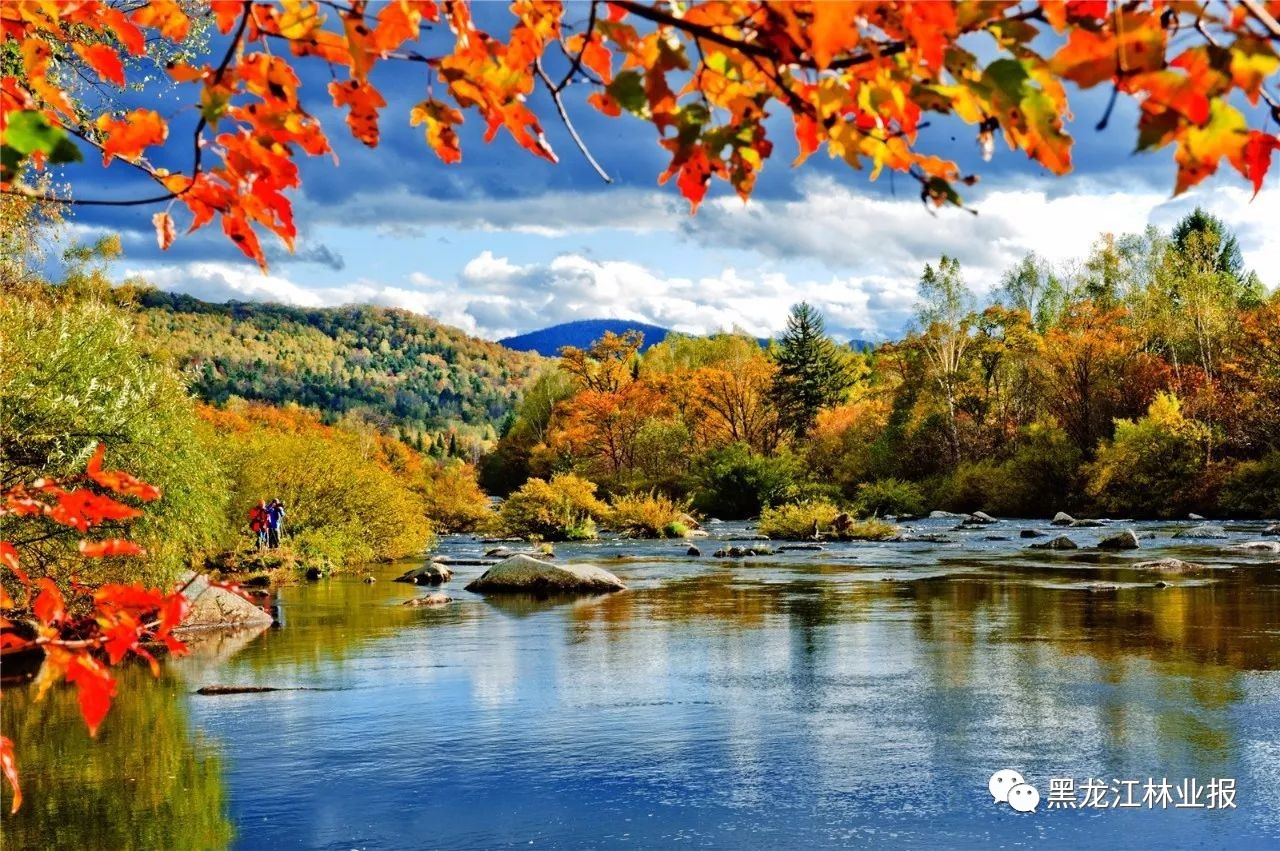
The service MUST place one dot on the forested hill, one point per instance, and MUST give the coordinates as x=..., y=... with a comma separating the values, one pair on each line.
x=581, y=334
x=400, y=369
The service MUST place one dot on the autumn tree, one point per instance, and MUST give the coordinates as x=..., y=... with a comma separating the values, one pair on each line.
x=607, y=365
x=859, y=80
x=813, y=372
x=945, y=317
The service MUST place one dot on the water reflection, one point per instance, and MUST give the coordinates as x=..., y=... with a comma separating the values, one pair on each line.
x=147, y=781
x=859, y=694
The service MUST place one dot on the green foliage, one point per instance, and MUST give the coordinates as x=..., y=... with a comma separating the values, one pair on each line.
x=341, y=504
x=1152, y=464
x=72, y=375
x=1253, y=488
x=820, y=519
x=889, y=496
x=651, y=515
x=453, y=499
x=813, y=373
x=732, y=482
x=402, y=369
x=563, y=509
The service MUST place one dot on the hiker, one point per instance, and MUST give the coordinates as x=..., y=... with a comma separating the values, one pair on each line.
x=275, y=522
x=258, y=517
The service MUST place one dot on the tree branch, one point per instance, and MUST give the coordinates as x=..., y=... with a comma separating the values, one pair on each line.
x=564, y=117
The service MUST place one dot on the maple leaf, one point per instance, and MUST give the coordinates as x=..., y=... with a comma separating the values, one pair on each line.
x=127, y=137
x=104, y=60
x=440, y=119
x=364, y=102
x=95, y=688
x=1257, y=157
x=49, y=605
x=118, y=481
x=166, y=16
x=109, y=548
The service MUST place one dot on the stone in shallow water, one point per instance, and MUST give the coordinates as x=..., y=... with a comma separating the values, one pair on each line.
x=1169, y=565
x=693, y=551
x=1031, y=533
x=1273, y=529
x=521, y=574
x=436, y=599
x=980, y=518
x=1257, y=547
x=1062, y=518
x=432, y=573
x=1202, y=531
x=218, y=608
x=1062, y=542
x=1086, y=524
x=1126, y=540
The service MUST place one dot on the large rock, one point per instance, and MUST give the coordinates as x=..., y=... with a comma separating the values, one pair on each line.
x=1062, y=518
x=522, y=574
x=432, y=573
x=980, y=518
x=1273, y=529
x=1199, y=518
x=1257, y=547
x=218, y=608
x=1062, y=542
x=1126, y=540
x=1169, y=565
x=1086, y=524
x=1204, y=530
x=1031, y=533
x=936, y=515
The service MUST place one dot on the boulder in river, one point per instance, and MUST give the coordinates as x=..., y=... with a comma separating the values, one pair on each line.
x=1169, y=565
x=218, y=608
x=1062, y=542
x=522, y=574
x=1197, y=517
x=688, y=521
x=942, y=515
x=1257, y=547
x=693, y=551
x=1086, y=524
x=433, y=599
x=432, y=573
x=1204, y=530
x=1273, y=529
x=797, y=547
x=1126, y=540
x=1062, y=518
x=1031, y=533
x=979, y=518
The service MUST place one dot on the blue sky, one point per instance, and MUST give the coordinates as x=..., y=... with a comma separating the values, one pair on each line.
x=505, y=243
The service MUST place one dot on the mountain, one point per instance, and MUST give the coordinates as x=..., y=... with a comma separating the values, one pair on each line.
x=584, y=332
x=580, y=334
x=399, y=369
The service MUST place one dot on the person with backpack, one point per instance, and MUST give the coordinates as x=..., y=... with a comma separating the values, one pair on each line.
x=258, y=518
x=275, y=522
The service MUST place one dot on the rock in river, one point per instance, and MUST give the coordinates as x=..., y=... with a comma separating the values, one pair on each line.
x=693, y=551
x=1126, y=540
x=1086, y=524
x=1062, y=542
x=1062, y=518
x=435, y=599
x=980, y=518
x=1202, y=531
x=1257, y=547
x=521, y=574
x=1169, y=565
x=432, y=573
x=1031, y=533
x=1273, y=529
x=217, y=608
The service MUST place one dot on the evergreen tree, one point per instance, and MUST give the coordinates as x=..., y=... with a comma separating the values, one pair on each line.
x=813, y=373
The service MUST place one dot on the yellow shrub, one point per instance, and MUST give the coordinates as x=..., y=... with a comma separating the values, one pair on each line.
x=649, y=515
x=820, y=519
x=563, y=509
x=454, y=500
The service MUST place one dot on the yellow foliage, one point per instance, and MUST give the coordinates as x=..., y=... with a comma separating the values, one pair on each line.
x=563, y=509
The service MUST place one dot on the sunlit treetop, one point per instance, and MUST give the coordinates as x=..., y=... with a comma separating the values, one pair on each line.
x=858, y=79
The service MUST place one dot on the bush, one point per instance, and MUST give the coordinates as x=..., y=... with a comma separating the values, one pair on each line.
x=733, y=482
x=453, y=498
x=799, y=522
x=563, y=509
x=342, y=506
x=889, y=496
x=1252, y=488
x=1152, y=466
x=649, y=515
x=971, y=486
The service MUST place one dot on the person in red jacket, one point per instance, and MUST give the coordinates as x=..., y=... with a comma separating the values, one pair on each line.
x=258, y=522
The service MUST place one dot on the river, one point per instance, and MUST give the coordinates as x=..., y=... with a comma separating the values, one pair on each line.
x=858, y=695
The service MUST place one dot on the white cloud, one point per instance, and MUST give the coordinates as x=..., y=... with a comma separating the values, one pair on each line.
x=869, y=249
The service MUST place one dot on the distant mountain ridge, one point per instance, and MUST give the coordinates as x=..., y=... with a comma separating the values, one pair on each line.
x=583, y=332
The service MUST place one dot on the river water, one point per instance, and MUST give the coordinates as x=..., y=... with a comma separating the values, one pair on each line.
x=858, y=695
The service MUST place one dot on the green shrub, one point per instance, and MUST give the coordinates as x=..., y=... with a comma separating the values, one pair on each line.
x=733, y=482
x=1152, y=466
x=889, y=496
x=563, y=509
x=651, y=515
x=800, y=521
x=971, y=486
x=1252, y=488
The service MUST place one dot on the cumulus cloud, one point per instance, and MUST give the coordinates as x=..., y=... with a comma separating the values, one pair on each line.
x=856, y=257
